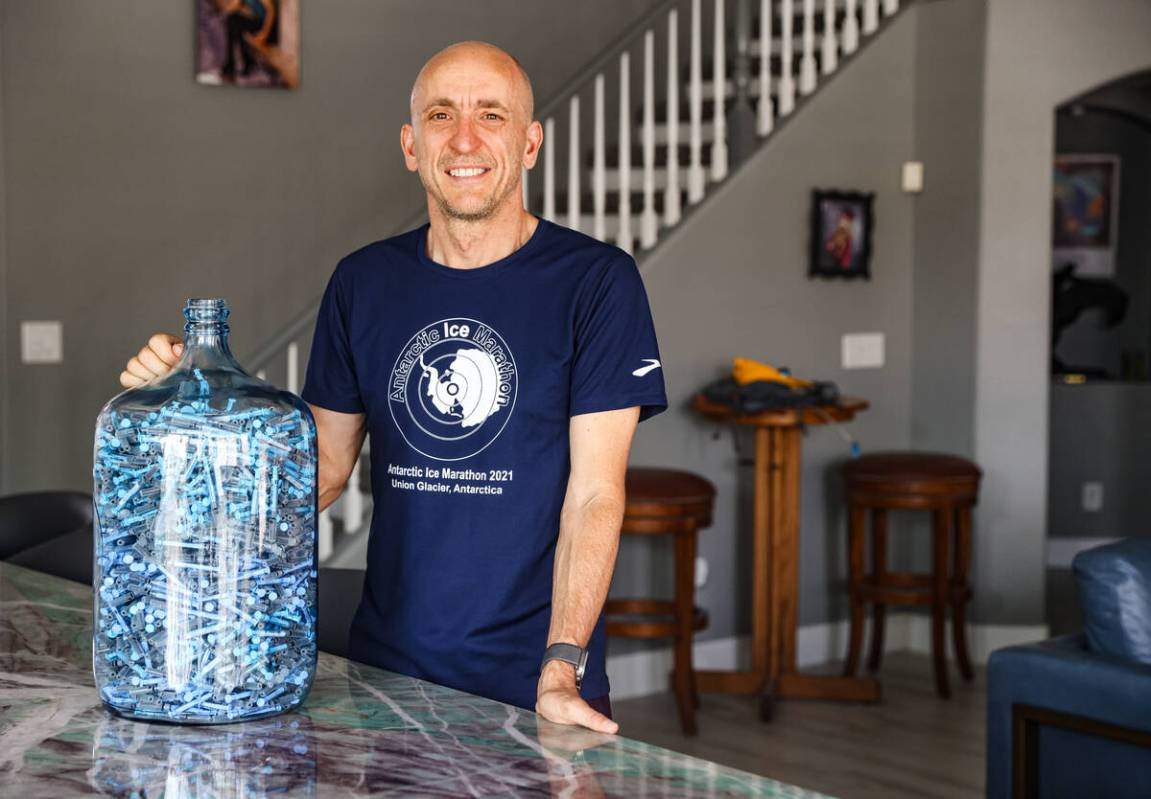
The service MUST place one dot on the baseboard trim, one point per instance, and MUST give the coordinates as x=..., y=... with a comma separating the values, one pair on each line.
x=644, y=673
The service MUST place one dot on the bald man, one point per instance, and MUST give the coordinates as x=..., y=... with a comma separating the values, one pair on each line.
x=500, y=363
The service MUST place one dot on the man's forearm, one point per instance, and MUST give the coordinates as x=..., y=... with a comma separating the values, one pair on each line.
x=585, y=559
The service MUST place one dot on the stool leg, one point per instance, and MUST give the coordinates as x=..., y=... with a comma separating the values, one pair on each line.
x=959, y=591
x=683, y=676
x=878, y=571
x=939, y=600
x=856, y=533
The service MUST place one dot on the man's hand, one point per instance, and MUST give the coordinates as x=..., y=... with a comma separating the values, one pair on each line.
x=558, y=700
x=156, y=359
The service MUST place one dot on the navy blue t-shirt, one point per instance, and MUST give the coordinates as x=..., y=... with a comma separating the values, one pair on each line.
x=469, y=378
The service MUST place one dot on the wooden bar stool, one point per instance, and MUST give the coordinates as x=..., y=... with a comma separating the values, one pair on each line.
x=948, y=487
x=667, y=502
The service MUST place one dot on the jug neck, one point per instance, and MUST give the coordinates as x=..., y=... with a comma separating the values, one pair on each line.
x=206, y=330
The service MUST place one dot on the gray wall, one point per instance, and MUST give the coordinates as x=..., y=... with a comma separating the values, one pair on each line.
x=129, y=187
x=948, y=100
x=1039, y=54
x=1100, y=432
x=732, y=281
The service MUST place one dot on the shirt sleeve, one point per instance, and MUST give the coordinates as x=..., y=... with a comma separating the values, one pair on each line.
x=616, y=362
x=331, y=380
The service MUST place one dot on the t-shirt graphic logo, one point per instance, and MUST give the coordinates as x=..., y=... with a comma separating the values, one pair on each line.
x=453, y=388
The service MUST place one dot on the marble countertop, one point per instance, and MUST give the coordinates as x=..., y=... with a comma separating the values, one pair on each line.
x=361, y=732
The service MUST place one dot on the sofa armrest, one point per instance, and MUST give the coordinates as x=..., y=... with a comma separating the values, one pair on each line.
x=1059, y=675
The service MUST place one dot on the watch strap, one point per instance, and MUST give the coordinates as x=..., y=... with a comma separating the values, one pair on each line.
x=568, y=653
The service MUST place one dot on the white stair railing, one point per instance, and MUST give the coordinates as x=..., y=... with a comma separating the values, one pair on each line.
x=850, y=31
x=786, y=55
x=807, y=63
x=829, y=56
x=695, y=175
x=649, y=222
x=719, y=116
x=671, y=204
x=870, y=16
x=781, y=78
x=625, y=240
x=764, y=113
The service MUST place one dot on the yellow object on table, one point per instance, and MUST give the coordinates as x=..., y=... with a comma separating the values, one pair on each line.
x=745, y=370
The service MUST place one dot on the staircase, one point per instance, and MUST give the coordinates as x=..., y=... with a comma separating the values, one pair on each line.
x=667, y=119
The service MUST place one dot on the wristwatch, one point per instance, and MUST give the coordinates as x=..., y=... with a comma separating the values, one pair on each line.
x=568, y=653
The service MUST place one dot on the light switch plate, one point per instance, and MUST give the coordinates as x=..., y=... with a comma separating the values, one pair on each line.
x=1092, y=497
x=41, y=342
x=912, y=178
x=862, y=350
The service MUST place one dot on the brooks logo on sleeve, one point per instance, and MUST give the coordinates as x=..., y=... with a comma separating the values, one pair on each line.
x=652, y=365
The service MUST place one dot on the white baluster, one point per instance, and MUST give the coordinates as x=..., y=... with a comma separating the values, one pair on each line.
x=830, y=45
x=353, y=502
x=524, y=186
x=671, y=205
x=294, y=368
x=324, y=535
x=870, y=16
x=550, y=169
x=649, y=222
x=625, y=241
x=764, y=116
x=695, y=174
x=719, y=77
x=786, y=67
x=599, y=166
x=890, y=7
x=850, y=29
x=807, y=64
x=573, y=164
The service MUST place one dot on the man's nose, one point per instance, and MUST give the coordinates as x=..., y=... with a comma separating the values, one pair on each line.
x=464, y=137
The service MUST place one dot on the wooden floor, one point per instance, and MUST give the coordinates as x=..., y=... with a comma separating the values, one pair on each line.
x=911, y=744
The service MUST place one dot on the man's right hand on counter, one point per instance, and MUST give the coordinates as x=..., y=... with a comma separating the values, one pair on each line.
x=156, y=359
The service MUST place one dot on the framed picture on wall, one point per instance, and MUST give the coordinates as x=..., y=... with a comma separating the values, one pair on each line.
x=248, y=43
x=841, y=224
x=1085, y=214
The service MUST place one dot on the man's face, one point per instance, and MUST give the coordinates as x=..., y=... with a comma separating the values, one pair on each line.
x=470, y=132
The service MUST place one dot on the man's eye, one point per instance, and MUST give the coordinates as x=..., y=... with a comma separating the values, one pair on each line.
x=439, y=115
x=493, y=115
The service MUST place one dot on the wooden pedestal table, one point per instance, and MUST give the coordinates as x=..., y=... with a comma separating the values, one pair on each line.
x=778, y=439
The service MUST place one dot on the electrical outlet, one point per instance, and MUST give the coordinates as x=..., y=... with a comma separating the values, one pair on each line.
x=700, y=572
x=862, y=350
x=41, y=342
x=1093, y=496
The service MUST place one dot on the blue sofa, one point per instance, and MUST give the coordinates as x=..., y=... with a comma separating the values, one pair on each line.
x=1071, y=716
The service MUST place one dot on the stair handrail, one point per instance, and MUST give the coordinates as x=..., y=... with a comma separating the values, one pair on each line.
x=274, y=346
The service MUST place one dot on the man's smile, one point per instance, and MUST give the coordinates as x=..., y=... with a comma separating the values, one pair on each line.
x=468, y=172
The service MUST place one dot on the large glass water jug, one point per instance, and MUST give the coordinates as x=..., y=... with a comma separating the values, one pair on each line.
x=205, y=540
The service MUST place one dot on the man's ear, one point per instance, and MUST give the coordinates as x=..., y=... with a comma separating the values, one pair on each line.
x=534, y=142
x=408, y=145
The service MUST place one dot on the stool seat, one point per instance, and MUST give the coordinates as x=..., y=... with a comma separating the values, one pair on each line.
x=911, y=467
x=668, y=492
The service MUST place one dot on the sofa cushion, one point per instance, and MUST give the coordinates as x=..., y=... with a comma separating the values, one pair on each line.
x=1115, y=593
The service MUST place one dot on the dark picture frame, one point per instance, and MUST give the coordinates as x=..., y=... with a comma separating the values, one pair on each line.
x=248, y=43
x=841, y=228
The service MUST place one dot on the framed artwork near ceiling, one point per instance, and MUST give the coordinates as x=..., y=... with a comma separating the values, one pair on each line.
x=841, y=225
x=248, y=43
x=1085, y=214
